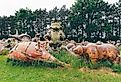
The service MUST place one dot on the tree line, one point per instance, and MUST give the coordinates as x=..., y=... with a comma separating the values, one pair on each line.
x=90, y=20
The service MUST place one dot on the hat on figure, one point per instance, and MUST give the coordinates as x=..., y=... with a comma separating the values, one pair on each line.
x=55, y=24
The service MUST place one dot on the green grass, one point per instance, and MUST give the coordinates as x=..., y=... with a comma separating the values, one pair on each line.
x=43, y=72
x=4, y=52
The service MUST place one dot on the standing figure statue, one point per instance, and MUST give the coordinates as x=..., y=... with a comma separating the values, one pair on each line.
x=55, y=35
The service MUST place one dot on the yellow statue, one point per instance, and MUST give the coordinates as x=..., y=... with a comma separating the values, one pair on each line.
x=55, y=34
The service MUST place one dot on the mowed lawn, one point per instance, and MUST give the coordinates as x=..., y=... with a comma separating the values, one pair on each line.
x=17, y=73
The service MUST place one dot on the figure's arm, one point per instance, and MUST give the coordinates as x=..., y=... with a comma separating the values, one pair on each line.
x=62, y=35
x=47, y=36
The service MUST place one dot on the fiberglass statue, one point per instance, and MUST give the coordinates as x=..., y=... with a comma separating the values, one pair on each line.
x=55, y=35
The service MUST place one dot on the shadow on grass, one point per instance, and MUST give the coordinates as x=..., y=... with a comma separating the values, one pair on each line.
x=33, y=63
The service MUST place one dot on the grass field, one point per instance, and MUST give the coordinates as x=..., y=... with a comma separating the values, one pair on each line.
x=11, y=72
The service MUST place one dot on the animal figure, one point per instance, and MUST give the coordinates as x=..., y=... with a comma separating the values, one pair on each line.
x=97, y=52
x=55, y=35
x=10, y=43
x=110, y=52
x=7, y=44
x=92, y=51
x=21, y=37
x=71, y=45
x=25, y=37
x=31, y=51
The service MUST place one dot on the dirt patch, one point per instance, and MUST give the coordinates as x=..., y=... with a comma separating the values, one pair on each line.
x=102, y=70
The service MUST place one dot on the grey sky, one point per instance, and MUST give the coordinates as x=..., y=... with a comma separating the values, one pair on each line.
x=8, y=7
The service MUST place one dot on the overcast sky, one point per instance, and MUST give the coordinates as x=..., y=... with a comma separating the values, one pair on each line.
x=8, y=7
